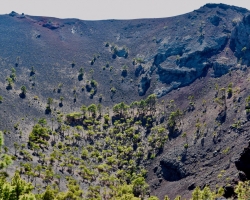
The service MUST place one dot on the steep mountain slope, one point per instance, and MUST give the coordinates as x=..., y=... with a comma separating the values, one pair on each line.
x=196, y=62
x=175, y=51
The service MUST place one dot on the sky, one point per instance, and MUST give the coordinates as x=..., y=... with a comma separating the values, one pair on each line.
x=109, y=9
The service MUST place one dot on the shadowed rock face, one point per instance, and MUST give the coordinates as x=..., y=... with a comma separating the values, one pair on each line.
x=144, y=84
x=243, y=164
x=172, y=170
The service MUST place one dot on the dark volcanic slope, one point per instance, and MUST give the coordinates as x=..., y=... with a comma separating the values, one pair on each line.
x=175, y=51
x=135, y=58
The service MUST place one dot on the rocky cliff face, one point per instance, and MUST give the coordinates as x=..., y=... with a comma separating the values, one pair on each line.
x=194, y=44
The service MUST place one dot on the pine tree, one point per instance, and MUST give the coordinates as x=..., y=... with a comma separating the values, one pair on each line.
x=23, y=89
x=16, y=189
x=48, y=194
x=5, y=160
x=29, y=196
x=196, y=195
x=166, y=197
x=207, y=194
x=241, y=191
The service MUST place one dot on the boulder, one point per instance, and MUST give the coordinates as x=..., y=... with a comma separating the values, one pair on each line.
x=215, y=20
x=51, y=25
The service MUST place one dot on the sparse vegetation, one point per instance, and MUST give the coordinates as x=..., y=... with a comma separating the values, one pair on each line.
x=10, y=82
x=115, y=131
x=23, y=89
x=138, y=61
x=113, y=90
x=230, y=90
x=81, y=73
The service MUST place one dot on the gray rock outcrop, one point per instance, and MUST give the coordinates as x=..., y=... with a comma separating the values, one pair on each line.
x=179, y=63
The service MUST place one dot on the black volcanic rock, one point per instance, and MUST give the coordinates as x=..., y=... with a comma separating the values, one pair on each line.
x=243, y=164
x=51, y=25
x=172, y=170
x=215, y=20
x=121, y=52
x=13, y=13
x=226, y=7
x=138, y=70
x=144, y=85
